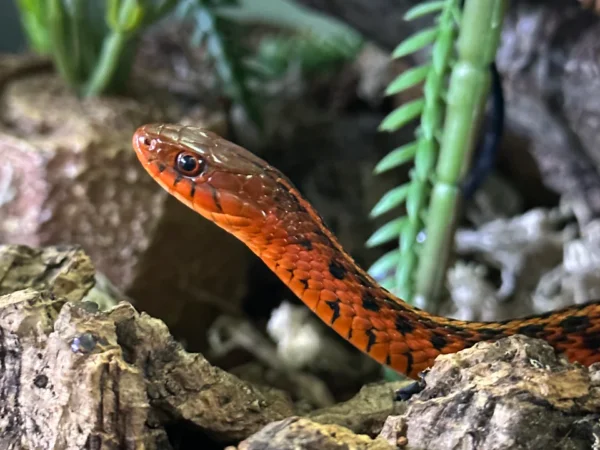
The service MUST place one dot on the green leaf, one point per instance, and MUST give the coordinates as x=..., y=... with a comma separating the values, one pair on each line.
x=416, y=42
x=407, y=79
x=422, y=9
x=390, y=200
x=402, y=115
x=396, y=157
x=386, y=233
x=385, y=264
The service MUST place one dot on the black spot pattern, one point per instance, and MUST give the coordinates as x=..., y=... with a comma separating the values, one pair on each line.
x=337, y=270
x=335, y=307
x=369, y=302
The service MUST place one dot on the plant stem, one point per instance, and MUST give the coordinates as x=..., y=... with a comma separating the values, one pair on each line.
x=112, y=49
x=477, y=45
x=107, y=64
x=426, y=153
x=57, y=31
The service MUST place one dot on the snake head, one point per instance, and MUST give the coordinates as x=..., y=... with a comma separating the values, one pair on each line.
x=220, y=180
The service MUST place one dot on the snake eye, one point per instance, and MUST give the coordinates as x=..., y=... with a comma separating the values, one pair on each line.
x=188, y=164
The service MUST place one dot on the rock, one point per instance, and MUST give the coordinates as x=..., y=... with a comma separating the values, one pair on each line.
x=367, y=411
x=296, y=433
x=69, y=175
x=512, y=394
x=76, y=377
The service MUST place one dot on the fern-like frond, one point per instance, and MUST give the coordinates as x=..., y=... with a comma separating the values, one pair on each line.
x=423, y=151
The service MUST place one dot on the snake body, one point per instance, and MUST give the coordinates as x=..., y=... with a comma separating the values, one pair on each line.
x=255, y=202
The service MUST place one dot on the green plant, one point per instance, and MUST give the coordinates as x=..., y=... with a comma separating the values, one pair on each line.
x=91, y=43
x=444, y=141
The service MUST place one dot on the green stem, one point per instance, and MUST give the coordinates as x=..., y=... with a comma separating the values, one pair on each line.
x=477, y=44
x=112, y=49
x=107, y=64
x=57, y=31
x=425, y=156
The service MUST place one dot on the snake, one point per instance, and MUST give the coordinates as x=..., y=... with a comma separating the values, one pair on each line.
x=241, y=193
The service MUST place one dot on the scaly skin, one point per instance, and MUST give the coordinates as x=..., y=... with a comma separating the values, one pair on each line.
x=256, y=203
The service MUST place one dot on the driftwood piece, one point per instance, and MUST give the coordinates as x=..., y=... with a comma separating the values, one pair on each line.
x=512, y=394
x=75, y=377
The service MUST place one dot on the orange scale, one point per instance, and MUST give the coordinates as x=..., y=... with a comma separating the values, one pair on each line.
x=303, y=265
x=329, y=285
x=344, y=297
x=395, y=335
x=453, y=348
x=237, y=221
x=304, y=255
x=315, y=275
x=280, y=232
x=270, y=253
x=316, y=285
x=341, y=285
x=360, y=323
x=418, y=356
x=346, y=310
x=417, y=344
x=301, y=274
x=318, y=265
x=324, y=311
x=287, y=264
x=328, y=296
x=297, y=286
x=283, y=274
x=377, y=323
x=311, y=298
x=342, y=325
x=279, y=242
x=399, y=362
x=291, y=256
x=293, y=248
x=431, y=353
x=390, y=325
x=359, y=338
x=398, y=347
x=379, y=352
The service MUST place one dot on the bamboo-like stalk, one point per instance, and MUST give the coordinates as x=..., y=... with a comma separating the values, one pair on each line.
x=469, y=83
x=426, y=153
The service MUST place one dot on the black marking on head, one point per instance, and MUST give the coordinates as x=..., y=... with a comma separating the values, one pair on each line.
x=161, y=167
x=335, y=307
x=369, y=302
x=574, y=324
x=372, y=339
x=337, y=270
x=177, y=179
x=388, y=359
x=403, y=325
x=304, y=283
x=305, y=243
x=192, y=190
x=532, y=330
x=349, y=334
x=438, y=341
x=215, y=197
